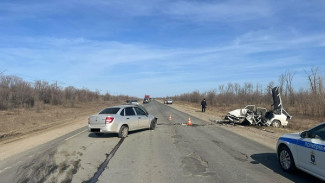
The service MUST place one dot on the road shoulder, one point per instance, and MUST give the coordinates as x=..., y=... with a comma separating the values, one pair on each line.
x=26, y=142
x=266, y=136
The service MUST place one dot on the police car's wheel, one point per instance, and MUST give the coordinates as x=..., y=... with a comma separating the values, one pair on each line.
x=286, y=160
x=276, y=124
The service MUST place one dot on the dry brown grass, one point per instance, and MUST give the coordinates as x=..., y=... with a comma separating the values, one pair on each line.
x=19, y=122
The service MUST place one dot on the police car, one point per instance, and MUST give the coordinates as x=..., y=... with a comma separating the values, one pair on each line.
x=305, y=151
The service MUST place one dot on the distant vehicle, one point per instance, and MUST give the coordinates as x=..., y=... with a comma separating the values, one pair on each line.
x=121, y=120
x=305, y=151
x=146, y=100
x=132, y=102
x=260, y=116
x=168, y=101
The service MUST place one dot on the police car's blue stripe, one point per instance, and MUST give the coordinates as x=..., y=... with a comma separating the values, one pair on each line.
x=293, y=141
x=302, y=143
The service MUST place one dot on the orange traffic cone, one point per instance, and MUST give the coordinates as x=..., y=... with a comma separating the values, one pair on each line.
x=170, y=117
x=189, y=123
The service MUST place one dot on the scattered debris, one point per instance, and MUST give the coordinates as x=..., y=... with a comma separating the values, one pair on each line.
x=252, y=115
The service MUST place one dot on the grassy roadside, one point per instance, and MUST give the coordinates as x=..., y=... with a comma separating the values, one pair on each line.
x=18, y=123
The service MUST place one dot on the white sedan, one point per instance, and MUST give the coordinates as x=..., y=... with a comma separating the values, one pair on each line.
x=305, y=151
x=121, y=120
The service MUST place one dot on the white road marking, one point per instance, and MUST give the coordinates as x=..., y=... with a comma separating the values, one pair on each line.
x=75, y=135
x=5, y=169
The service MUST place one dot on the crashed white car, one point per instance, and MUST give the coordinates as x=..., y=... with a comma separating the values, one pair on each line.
x=239, y=115
x=260, y=116
x=305, y=151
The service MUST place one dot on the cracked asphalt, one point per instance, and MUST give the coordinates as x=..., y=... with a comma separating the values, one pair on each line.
x=173, y=152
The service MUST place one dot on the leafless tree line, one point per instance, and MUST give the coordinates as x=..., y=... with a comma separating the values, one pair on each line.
x=16, y=93
x=309, y=101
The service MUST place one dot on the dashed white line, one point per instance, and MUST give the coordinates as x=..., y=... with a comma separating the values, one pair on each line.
x=75, y=135
x=5, y=169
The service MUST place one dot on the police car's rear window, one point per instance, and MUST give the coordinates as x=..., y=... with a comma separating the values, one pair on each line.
x=113, y=110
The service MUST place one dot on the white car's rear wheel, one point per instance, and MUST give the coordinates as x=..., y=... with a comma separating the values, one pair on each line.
x=276, y=123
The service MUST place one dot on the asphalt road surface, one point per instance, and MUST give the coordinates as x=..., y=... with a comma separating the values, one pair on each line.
x=173, y=152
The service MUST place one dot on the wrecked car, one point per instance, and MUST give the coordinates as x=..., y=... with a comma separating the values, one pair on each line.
x=252, y=115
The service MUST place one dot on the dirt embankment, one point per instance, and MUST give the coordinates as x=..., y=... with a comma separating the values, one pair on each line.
x=23, y=129
x=18, y=123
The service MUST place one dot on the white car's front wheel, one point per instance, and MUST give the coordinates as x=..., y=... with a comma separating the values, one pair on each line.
x=153, y=124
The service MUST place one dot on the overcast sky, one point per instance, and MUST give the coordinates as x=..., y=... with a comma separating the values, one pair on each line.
x=161, y=47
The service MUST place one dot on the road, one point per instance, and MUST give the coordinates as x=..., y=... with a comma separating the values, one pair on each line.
x=173, y=152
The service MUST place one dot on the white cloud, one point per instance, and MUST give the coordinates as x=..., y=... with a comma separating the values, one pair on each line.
x=83, y=52
x=217, y=11
x=82, y=60
x=25, y=10
x=270, y=40
x=232, y=10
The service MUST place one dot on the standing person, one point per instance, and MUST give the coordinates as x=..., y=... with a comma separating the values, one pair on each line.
x=204, y=105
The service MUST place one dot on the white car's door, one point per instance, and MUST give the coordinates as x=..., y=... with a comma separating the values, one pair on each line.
x=142, y=117
x=311, y=151
x=131, y=118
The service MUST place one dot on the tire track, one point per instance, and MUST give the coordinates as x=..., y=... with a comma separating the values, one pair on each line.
x=102, y=167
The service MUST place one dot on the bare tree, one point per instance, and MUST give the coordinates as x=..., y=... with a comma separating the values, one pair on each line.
x=1, y=72
x=306, y=101
x=221, y=89
x=237, y=88
x=315, y=80
x=289, y=92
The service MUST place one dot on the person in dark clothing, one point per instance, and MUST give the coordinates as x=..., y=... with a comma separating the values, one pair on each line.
x=204, y=105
